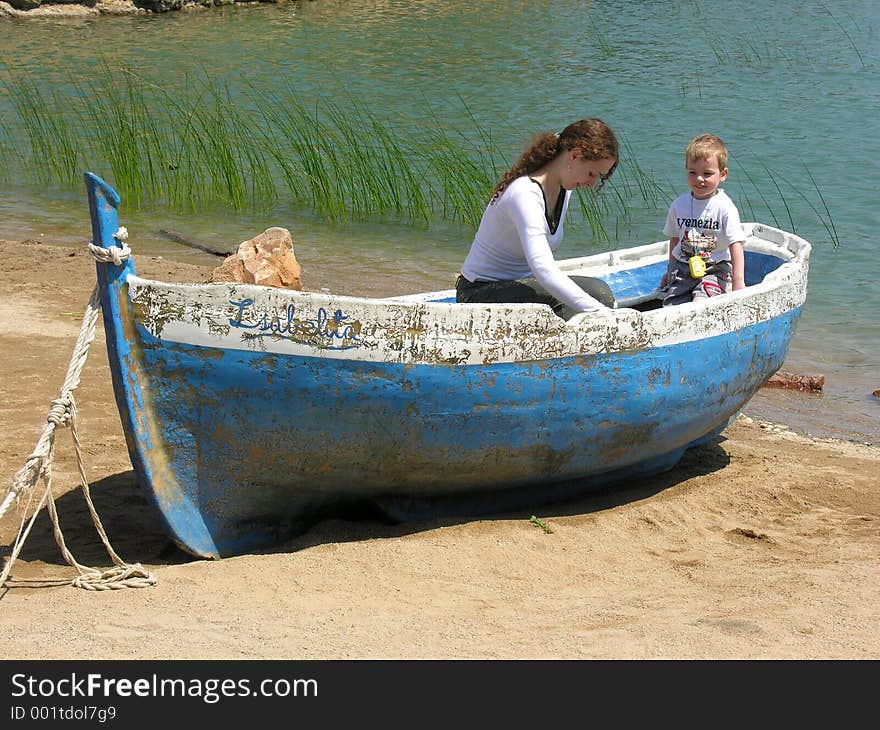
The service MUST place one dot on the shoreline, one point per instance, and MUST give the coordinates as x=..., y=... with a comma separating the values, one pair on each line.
x=59, y=9
x=761, y=545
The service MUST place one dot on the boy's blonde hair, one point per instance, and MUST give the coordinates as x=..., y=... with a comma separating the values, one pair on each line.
x=705, y=147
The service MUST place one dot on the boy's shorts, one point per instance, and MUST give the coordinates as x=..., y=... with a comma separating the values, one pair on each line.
x=681, y=287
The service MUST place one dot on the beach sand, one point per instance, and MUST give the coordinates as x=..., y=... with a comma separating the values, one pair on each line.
x=762, y=545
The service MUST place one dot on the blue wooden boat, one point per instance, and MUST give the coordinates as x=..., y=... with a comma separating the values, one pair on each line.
x=250, y=412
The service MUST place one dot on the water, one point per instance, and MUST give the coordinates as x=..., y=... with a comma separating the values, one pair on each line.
x=796, y=102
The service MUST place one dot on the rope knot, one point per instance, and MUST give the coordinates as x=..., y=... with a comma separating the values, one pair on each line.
x=124, y=575
x=59, y=412
x=116, y=254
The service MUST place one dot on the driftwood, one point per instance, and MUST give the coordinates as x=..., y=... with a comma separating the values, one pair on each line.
x=796, y=381
x=180, y=238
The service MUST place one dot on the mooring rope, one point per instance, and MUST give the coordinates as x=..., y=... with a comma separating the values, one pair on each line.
x=39, y=464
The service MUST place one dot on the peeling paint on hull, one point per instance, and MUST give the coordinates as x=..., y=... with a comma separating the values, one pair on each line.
x=250, y=411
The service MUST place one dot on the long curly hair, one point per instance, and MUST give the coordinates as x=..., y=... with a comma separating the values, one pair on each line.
x=592, y=136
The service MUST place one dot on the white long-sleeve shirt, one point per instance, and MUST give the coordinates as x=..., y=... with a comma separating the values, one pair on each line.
x=514, y=241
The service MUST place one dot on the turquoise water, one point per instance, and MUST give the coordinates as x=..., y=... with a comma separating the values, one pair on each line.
x=792, y=87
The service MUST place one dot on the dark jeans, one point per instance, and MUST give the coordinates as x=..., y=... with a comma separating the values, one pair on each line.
x=681, y=287
x=528, y=290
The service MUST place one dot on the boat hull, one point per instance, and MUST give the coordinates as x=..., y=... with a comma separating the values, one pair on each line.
x=332, y=433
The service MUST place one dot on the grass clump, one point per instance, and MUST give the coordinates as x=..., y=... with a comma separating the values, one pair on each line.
x=537, y=521
x=203, y=145
x=54, y=152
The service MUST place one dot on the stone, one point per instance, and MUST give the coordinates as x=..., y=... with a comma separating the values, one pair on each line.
x=25, y=4
x=266, y=259
x=160, y=6
x=795, y=381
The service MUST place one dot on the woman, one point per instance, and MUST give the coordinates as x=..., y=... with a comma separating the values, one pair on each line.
x=511, y=257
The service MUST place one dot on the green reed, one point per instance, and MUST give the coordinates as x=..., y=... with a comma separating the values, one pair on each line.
x=203, y=147
x=123, y=135
x=6, y=146
x=54, y=152
x=825, y=217
x=460, y=183
x=231, y=164
x=772, y=178
x=746, y=204
x=784, y=187
x=184, y=171
x=846, y=33
x=637, y=179
x=381, y=168
x=286, y=130
x=600, y=40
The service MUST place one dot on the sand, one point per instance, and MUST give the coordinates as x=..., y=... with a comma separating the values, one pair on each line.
x=762, y=545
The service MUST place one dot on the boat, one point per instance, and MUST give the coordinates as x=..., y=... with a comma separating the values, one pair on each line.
x=251, y=412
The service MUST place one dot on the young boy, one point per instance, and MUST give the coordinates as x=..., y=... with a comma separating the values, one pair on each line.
x=705, y=235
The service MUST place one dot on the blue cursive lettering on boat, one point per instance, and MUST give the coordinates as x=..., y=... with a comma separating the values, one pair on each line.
x=335, y=332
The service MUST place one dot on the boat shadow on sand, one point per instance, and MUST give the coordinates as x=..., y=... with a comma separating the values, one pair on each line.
x=136, y=533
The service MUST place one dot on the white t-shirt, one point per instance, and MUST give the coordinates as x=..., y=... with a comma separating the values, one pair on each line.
x=716, y=216
x=514, y=241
